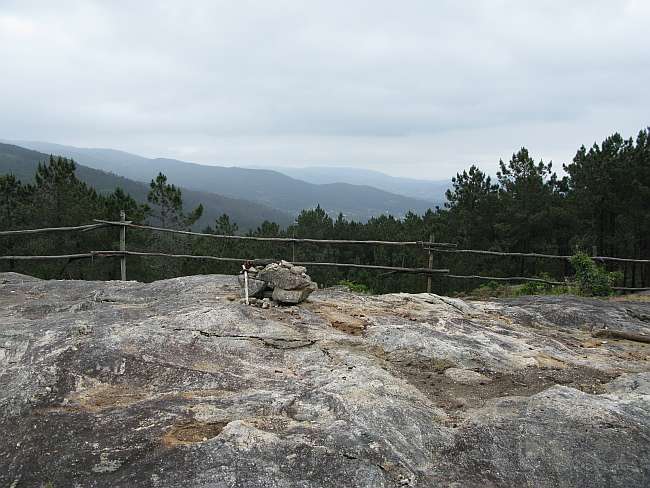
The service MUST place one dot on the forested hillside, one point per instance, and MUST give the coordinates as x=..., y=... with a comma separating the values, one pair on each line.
x=23, y=163
x=603, y=201
x=271, y=188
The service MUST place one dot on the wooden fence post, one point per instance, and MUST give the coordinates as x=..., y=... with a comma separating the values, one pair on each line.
x=431, y=241
x=123, y=245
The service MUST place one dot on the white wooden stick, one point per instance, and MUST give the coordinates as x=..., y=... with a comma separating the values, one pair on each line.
x=246, y=283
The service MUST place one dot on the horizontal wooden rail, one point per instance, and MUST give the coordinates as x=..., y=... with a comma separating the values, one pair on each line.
x=395, y=269
x=41, y=258
x=108, y=254
x=534, y=255
x=93, y=254
x=53, y=229
x=297, y=263
x=446, y=247
x=277, y=239
x=620, y=260
x=509, y=278
x=382, y=268
x=499, y=253
x=629, y=288
x=537, y=280
x=196, y=256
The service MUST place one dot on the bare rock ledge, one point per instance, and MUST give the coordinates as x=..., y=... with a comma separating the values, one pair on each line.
x=169, y=384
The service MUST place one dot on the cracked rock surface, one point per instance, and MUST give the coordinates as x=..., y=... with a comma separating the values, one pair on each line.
x=168, y=384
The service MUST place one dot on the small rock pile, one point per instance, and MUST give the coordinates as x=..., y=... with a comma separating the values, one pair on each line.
x=281, y=282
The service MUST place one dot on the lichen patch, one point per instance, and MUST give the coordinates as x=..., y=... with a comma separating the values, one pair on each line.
x=106, y=397
x=549, y=362
x=348, y=323
x=191, y=432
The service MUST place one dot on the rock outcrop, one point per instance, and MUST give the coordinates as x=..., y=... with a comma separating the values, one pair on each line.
x=285, y=282
x=167, y=384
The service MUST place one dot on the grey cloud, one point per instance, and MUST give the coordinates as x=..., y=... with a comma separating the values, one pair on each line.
x=417, y=87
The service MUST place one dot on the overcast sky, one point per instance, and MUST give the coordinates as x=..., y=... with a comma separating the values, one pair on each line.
x=419, y=88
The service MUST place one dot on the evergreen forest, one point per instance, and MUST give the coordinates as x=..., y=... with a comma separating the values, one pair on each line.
x=600, y=202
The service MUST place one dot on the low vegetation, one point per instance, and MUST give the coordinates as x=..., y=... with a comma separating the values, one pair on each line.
x=602, y=202
x=356, y=287
x=590, y=279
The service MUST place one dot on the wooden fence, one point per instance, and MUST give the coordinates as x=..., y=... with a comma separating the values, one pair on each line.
x=429, y=246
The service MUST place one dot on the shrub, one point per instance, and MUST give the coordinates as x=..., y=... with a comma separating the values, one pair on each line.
x=538, y=288
x=356, y=287
x=592, y=279
x=491, y=289
x=534, y=288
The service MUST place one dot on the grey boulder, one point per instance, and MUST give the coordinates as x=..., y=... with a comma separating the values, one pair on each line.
x=292, y=296
x=255, y=287
x=278, y=276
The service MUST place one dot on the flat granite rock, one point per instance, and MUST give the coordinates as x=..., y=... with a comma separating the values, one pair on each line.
x=168, y=384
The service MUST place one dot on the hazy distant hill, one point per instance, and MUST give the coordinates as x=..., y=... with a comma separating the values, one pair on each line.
x=23, y=163
x=430, y=190
x=268, y=187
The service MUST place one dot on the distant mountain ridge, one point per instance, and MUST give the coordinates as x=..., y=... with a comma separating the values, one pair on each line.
x=23, y=163
x=268, y=187
x=430, y=190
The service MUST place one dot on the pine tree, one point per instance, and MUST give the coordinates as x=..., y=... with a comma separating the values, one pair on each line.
x=167, y=201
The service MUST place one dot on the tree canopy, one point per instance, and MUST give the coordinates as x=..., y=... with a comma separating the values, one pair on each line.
x=602, y=200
